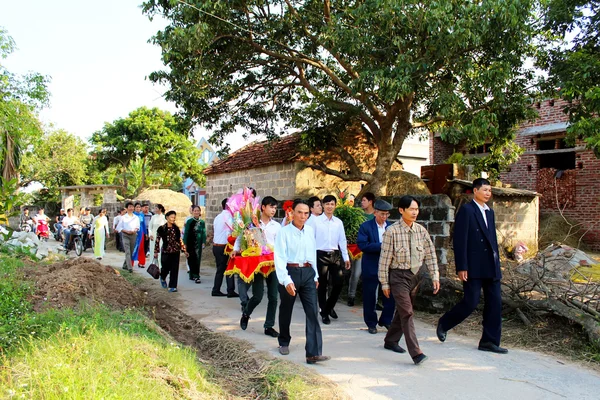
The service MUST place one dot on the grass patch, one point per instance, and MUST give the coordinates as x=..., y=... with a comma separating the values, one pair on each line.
x=286, y=380
x=105, y=364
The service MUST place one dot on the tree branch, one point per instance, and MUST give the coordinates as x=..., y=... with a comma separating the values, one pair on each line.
x=346, y=177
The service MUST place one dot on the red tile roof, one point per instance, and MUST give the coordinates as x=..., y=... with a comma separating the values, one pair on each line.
x=260, y=154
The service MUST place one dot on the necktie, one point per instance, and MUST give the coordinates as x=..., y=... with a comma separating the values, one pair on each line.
x=488, y=219
x=415, y=265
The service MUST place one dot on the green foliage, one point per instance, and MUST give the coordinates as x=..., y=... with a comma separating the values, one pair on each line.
x=150, y=144
x=14, y=307
x=352, y=217
x=10, y=199
x=57, y=159
x=267, y=67
x=573, y=65
x=499, y=158
x=455, y=158
x=20, y=99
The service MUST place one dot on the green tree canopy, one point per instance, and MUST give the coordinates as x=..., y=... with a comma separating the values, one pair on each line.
x=21, y=96
x=573, y=64
x=152, y=139
x=399, y=67
x=57, y=159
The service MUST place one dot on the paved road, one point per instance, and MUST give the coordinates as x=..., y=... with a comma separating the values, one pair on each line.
x=365, y=370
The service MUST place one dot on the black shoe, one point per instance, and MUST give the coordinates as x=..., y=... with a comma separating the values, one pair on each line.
x=316, y=359
x=395, y=347
x=350, y=301
x=284, y=350
x=326, y=319
x=379, y=307
x=386, y=326
x=333, y=314
x=373, y=330
x=441, y=334
x=218, y=294
x=244, y=321
x=492, y=347
x=271, y=332
x=419, y=359
x=232, y=295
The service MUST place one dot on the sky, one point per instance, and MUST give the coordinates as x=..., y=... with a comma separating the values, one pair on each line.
x=97, y=56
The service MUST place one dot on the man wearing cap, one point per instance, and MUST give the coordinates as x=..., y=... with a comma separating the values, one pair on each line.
x=370, y=236
x=404, y=248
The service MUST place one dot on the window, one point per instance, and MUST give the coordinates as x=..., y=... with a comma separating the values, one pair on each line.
x=560, y=161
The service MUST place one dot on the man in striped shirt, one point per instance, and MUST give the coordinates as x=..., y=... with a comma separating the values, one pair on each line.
x=406, y=245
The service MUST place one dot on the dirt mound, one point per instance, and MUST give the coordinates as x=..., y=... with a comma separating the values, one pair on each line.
x=170, y=200
x=402, y=182
x=67, y=283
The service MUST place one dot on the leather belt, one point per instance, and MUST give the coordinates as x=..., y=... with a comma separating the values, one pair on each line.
x=219, y=245
x=293, y=265
x=328, y=252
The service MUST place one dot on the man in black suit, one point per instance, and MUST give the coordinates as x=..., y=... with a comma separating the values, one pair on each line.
x=478, y=267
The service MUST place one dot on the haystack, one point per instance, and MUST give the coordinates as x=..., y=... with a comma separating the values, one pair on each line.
x=170, y=200
x=401, y=183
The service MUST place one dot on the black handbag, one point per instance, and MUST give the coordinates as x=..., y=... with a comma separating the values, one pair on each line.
x=153, y=269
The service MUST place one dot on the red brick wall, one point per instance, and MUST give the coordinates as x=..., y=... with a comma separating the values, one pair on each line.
x=524, y=173
x=439, y=151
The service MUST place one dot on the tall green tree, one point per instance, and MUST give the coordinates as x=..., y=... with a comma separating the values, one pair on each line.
x=21, y=97
x=153, y=139
x=399, y=67
x=59, y=158
x=573, y=64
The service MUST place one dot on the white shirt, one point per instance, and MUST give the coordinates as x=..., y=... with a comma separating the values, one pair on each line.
x=483, y=209
x=129, y=223
x=294, y=246
x=116, y=222
x=380, y=230
x=222, y=227
x=330, y=235
x=69, y=221
x=311, y=221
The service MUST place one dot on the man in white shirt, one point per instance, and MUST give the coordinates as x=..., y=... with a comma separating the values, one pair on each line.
x=295, y=264
x=270, y=229
x=129, y=225
x=332, y=253
x=67, y=222
x=222, y=230
x=316, y=209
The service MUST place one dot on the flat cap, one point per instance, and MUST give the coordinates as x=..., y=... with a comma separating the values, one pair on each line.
x=382, y=205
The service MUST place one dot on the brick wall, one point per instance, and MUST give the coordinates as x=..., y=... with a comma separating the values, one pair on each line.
x=439, y=151
x=274, y=180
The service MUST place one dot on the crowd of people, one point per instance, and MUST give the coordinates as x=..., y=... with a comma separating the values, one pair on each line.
x=311, y=261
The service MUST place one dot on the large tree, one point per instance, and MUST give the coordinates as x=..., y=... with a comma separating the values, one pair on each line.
x=21, y=97
x=59, y=158
x=154, y=139
x=398, y=67
x=573, y=64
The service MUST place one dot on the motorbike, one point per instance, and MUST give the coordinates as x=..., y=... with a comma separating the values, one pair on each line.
x=26, y=226
x=42, y=230
x=75, y=239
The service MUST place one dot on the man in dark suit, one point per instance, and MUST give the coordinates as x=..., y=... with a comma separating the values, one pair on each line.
x=369, y=239
x=478, y=267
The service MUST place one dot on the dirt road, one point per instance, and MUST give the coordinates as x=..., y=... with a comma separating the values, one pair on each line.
x=365, y=370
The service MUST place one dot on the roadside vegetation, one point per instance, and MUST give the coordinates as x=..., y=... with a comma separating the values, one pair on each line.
x=95, y=351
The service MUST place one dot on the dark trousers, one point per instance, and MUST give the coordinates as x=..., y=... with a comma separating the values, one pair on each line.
x=221, y=259
x=194, y=262
x=170, y=266
x=402, y=282
x=329, y=264
x=304, y=280
x=370, y=286
x=492, y=309
x=258, y=290
x=118, y=241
